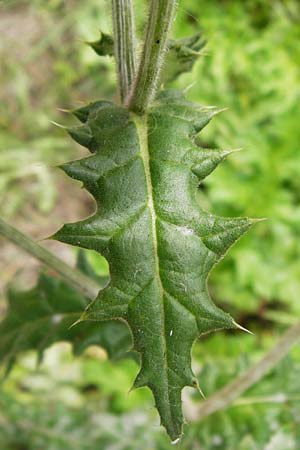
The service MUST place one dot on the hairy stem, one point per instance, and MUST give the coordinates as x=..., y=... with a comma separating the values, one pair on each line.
x=86, y=285
x=124, y=44
x=161, y=15
x=225, y=396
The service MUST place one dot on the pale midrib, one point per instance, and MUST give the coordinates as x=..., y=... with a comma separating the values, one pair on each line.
x=142, y=131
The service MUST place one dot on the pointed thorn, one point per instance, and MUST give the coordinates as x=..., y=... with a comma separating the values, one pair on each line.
x=91, y=43
x=133, y=388
x=69, y=111
x=242, y=328
x=201, y=392
x=218, y=111
x=58, y=125
x=189, y=87
x=261, y=219
x=227, y=152
x=176, y=441
x=204, y=53
x=39, y=241
x=233, y=150
x=81, y=319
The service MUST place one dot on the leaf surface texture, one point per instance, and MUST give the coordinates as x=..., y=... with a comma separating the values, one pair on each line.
x=144, y=174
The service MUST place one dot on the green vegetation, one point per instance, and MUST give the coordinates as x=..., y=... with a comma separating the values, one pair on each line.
x=160, y=246
x=251, y=65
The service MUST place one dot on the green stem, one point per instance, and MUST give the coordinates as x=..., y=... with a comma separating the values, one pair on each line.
x=265, y=399
x=87, y=285
x=225, y=396
x=161, y=16
x=124, y=44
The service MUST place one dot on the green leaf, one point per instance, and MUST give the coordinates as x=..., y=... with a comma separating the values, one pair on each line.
x=104, y=46
x=182, y=55
x=160, y=244
x=42, y=316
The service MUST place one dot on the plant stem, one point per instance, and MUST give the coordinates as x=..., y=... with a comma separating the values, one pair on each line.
x=124, y=44
x=86, y=285
x=161, y=15
x=225, y=396
x=264, y=399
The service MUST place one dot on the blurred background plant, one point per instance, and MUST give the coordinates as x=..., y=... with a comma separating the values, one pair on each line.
x=252, y=66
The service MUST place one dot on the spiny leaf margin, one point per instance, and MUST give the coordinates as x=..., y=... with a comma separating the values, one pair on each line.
x=161, y=246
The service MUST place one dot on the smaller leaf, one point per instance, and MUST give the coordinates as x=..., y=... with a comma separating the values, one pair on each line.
x=182, y=55
x=42, y=316
x=104, y=46
x=83, y=113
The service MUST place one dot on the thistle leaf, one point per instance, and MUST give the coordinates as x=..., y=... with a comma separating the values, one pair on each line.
x=42, y=316
x=182, y=55
x=104, y=46
x=160, y=244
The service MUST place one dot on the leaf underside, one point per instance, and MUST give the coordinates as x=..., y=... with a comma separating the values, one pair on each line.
x=42, y=316
x=144, y=174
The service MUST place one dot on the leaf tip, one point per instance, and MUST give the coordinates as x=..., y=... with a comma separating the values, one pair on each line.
x=140, y=381
x=232, y=151
x=56, y=124
x=82, y=318
x=260, y=219
x=201, y=392
x=64, y=110
x=75, y=323
x=239, y=327
x=216, y=110
x=189, y=87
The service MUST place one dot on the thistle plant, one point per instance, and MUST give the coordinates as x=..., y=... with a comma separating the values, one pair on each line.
x=144, y=173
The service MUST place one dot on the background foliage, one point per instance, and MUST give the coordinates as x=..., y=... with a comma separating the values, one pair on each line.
x=251, y=66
